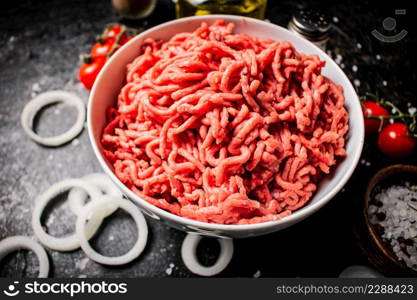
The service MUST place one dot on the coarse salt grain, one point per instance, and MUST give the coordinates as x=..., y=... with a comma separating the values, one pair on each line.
x=36, y=88
x=170, y=268
x=400, y=221
x=75, y=142
x=338, y=58
x=357, y=82
x=354, y=68
x=412, y=110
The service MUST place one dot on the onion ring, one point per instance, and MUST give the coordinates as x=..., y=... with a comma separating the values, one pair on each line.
x=77, y=197
x=33, y=106
x=14, y=243
x=129, y=207
x=67, y=243
x=358, y=271
x=189, y=255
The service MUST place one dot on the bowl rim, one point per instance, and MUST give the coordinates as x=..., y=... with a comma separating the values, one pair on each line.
x=295, y=216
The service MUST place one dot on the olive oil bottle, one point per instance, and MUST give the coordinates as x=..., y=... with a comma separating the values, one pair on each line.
x=247, y=8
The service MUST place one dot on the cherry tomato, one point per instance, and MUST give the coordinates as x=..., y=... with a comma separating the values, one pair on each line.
x=112, y=32
x=394, y=141
x=89, y=71
x=374, y=109
x=102, y=48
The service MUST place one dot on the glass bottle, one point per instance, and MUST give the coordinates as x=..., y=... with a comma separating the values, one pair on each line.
x=247, y=8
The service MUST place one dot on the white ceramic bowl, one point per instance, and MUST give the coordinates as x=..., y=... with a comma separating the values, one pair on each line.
x=111, y=78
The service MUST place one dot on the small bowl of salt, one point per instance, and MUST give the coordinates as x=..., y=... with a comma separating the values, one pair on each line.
x=390, y=213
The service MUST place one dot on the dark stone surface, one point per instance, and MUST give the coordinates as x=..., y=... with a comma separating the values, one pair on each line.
x=40, y=42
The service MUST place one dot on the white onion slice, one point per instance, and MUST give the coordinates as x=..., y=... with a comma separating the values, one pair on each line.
x=91, y=208
x=77, y=197
x=360, y=272
x=32, y=108
x=14, y=243
x=189, y=255
x=66, y=243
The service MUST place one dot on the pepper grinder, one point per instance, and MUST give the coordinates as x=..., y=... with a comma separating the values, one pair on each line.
x=134, y=9
x=311, y=25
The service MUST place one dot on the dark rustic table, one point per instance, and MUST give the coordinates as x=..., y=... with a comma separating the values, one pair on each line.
x=40, y=44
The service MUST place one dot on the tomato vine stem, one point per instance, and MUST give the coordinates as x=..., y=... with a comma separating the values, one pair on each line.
x=397, y=114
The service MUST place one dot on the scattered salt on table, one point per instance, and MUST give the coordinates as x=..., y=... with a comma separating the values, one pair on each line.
x=36, y=88
x=75, y=142
x=169, y=270
x=356, y=82
x=338, y=59
x=412, y=110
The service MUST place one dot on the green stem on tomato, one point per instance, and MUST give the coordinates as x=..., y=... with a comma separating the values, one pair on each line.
x=86, y=58
x=116, y=41
x=412, y=126
x=390, y=104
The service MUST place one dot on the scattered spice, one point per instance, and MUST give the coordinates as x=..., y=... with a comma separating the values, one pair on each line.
x=257, y=274
x=170, y=268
